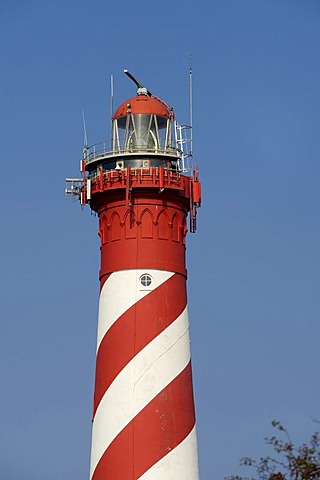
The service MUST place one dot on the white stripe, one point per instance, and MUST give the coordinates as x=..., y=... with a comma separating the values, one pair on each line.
x=179, y=464
x=149, y=372
x=122, y=290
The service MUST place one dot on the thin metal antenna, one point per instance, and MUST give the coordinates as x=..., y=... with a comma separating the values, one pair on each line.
x=191, y=104
x=111, y=107
x=85, y=138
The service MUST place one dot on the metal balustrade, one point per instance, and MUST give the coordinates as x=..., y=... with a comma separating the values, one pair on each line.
x=101, y=150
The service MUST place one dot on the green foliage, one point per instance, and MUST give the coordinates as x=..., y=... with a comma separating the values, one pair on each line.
x=289, y=462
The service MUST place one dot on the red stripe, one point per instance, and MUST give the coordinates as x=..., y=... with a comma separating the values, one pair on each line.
x=140, y=324
x=103, y=280
x=162, y=425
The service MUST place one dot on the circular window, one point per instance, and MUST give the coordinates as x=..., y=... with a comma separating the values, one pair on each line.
x=145, y=280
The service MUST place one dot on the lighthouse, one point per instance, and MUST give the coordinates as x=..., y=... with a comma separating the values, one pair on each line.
x=146, y=194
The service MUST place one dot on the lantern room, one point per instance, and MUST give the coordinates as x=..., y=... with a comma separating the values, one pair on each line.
x=144, y=134
x=143, y=124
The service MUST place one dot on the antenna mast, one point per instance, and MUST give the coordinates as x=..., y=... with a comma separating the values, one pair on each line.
x=111, y=107
x=191, y=105
x=85, y=138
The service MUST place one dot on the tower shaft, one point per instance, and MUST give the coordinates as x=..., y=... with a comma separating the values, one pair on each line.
x=143, y=415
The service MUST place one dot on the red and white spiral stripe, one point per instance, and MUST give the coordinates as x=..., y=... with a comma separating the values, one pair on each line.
x=143, y=418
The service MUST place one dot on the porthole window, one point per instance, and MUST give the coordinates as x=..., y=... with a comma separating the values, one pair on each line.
x=146, y=280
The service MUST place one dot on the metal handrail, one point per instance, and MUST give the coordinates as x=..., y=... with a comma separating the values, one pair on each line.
x=143, y=173
x=99, y=150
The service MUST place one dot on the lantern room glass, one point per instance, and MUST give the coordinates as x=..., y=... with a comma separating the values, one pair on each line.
x=142, y=132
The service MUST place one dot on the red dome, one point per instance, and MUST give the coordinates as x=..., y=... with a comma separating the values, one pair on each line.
x=145, y=105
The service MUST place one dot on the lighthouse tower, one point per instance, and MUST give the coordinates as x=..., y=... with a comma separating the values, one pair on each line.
x=142, y=190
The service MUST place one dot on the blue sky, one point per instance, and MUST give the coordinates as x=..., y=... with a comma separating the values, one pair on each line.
x=254, y=262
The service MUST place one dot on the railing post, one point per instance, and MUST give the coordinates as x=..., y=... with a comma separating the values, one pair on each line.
x=161, y=179
x=128, y=190
x=101, y=179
